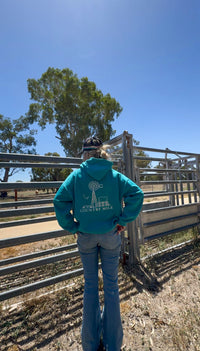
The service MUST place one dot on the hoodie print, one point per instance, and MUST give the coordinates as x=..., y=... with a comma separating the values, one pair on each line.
x=100, y=203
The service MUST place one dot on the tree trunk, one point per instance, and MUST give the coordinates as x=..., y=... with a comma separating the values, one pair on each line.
x=6, y=175
x=5, y=179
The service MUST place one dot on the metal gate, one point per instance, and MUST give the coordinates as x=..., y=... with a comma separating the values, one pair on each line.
x=171, y=184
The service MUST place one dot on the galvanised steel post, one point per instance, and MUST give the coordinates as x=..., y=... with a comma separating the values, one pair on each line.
x=134, y=252
x=198, y=184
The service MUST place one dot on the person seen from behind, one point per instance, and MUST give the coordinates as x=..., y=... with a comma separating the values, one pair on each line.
x=90, y=203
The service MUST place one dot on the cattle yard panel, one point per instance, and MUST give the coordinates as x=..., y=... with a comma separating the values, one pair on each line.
x=38, y=208
x=174, y=177
x=171, y=184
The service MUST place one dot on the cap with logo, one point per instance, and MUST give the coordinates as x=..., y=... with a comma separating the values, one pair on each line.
x=91, y=143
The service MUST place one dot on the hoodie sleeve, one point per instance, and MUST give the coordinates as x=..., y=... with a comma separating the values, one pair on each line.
x=63, y=204
x=133, y=200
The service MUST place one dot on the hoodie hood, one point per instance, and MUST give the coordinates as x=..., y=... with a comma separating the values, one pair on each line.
x=97, y=168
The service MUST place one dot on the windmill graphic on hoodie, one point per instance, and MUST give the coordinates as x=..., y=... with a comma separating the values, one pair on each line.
x=97, y=204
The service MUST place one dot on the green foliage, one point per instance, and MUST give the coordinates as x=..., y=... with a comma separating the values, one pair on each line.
x=75, y=105
x=142, y=163
x=50, y=174
x=15, y=137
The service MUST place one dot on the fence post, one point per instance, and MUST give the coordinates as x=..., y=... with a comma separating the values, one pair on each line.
x=198, y=182
x=134, y=251
x=15, y=197
x=198, y=174
x=169, y=177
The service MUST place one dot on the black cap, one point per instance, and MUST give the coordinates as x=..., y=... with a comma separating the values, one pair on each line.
x=91, y=143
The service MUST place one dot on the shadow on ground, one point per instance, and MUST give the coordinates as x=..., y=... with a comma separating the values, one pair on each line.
x=40, y=322
x=156, y=270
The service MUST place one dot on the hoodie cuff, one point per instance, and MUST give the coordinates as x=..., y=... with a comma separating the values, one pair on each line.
x=121, y=222
x=75, y=228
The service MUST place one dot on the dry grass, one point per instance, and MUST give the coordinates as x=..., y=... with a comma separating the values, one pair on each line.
x=34, y=247
x=167, y=241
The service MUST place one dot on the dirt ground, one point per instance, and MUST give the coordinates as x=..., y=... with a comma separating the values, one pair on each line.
x=160, y=308
x=22, y=230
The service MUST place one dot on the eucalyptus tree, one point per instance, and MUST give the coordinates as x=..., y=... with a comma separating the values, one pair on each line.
x=16, y=136
x=76, y=107
x=50, y=174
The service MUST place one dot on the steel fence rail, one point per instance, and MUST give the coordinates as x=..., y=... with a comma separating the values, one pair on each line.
x=26, y=203
x=26, y=211
x=38, y=263
x=28, y=221
x=165, y=193
x=37, y=158
x=40, y=284
x=157, y=170
x=30, y=185
x=168, y=151
x=36, y=254
x=38, y=165
x=32, y=238
x=157, y=182
x=147, y=158
x=176, y=180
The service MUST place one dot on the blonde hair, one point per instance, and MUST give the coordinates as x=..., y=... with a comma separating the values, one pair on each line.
x=98, y=153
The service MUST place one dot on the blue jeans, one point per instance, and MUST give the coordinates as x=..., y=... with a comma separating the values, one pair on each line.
x=108, y=323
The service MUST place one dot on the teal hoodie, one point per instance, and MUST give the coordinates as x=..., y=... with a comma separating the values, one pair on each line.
x=91, y=199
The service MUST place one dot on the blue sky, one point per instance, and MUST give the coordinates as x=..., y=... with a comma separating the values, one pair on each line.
x=145, y=53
